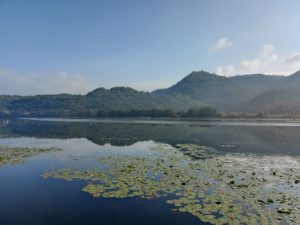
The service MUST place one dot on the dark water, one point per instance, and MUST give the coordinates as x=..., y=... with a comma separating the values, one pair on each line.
x=28, y=199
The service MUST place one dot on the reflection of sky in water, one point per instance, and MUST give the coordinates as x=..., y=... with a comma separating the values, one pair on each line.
x=78, y=149
x=79, y=153
x=234, y=137
x=26, y=198
x=213, y=122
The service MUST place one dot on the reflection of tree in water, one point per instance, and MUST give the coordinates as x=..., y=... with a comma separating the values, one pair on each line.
x=227, y=138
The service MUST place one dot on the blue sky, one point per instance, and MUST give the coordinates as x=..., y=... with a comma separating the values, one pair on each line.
x=73, y=46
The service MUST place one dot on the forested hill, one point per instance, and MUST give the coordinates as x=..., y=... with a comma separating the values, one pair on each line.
x=241, y=93
x=245, y=93
x=209, y=89
x=98, y=102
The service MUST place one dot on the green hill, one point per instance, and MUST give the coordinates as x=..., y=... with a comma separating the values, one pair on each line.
x=244, y=93
x=281, y=98
x=100, y=100
x=208, y=89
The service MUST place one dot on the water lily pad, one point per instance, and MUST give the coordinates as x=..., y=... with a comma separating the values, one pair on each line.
x=216, y=188
x=12, y=156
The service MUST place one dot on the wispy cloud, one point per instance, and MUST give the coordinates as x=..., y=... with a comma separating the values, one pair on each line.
x=267, y=61
x=17, y=83
x=13, y=82
x=221, y=44
x=294, y=59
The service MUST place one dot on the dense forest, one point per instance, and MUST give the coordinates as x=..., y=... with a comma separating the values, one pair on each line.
x=88, y=106
x=200, y=94
x=200, y=112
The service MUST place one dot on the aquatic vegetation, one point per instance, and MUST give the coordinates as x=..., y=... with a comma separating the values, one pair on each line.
x=216, y=188
x=12, y=156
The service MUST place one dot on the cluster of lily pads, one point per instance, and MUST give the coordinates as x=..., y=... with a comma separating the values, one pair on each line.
x=12, y=156
x=216, y=188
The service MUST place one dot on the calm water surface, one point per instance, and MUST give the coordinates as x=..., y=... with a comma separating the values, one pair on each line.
x=28, y=199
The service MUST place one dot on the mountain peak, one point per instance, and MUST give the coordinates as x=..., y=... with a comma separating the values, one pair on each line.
x=122, y=89
x=200, y=73
x=97, y=91
x=199, y=76
x=296, y=74
x=116, y=90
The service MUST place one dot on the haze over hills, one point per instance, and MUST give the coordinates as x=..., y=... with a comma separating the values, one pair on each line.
x=208, y=89
x=281, y=98
x=243, y=93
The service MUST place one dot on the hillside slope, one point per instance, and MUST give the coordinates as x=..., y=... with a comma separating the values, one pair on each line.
x=114, y=99
x=256, y=84
x=282, y=98
x=208, y=89
x=247, y=93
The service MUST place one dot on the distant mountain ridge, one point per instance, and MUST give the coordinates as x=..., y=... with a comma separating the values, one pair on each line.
x=209, y=89
x=281, y=98
x=241, y=93
x=230, y=93
x=257, y=83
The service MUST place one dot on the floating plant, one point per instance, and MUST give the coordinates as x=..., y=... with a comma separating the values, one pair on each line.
x=12, y=156
x=216, y=188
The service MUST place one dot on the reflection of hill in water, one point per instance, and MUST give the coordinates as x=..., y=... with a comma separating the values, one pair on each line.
x=228, y=138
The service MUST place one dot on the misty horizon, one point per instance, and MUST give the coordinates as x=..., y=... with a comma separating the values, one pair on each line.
x=58, y=83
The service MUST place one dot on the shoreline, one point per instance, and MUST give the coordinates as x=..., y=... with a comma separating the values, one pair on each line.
x=178, y=121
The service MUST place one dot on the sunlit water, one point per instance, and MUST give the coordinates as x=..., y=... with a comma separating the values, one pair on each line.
x=27, y=198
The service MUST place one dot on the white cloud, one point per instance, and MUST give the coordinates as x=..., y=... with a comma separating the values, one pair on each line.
x=226, y=70
x=220, y=44
x=251, y=66
x=294, y=59
x=12, y=82
x=267, y=61
x=267, y=49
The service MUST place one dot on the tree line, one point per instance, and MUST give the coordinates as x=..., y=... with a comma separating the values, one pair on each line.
x=200, y=112
x=195, y=112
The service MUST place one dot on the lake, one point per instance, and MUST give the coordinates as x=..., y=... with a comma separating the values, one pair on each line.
x=134, y=171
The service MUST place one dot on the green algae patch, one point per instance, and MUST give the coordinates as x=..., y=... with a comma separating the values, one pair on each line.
x=216, y=188
x=14, y=155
